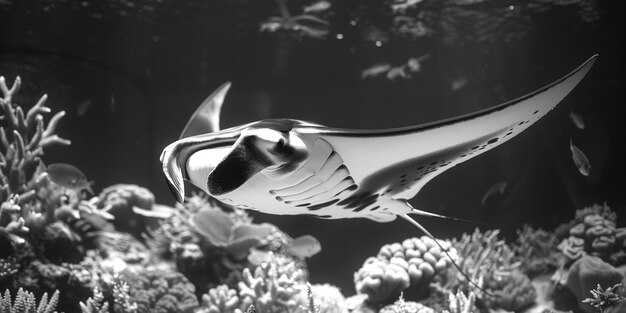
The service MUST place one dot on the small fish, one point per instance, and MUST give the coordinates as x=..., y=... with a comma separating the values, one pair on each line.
x=458, y=83
x=375, y=70
x=577, y=120
x=113, y=104
x=82, y=107
x=158, y=211
x=305, y=246
x=580, y=159
x=318, y=6
x=497, y=187
x=401, y=6
x=398, y=71
x=68, y=176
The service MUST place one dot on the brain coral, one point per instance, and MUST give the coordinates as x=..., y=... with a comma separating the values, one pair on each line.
x=382, y=281
x=421, y=257
x=596, y=235
x=512, y=292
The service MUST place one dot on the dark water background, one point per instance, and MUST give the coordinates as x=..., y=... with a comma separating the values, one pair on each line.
x=144, y=66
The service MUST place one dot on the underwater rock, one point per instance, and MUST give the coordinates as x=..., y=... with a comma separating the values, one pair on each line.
x=381, y=280
x=406, y=307
x=586, y=273
x=60, y=244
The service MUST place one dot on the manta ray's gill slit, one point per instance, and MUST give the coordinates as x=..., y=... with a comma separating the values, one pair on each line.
x=322, y=205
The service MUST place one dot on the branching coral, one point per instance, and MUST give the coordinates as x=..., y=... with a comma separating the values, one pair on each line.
x=536, y=247
x=486, y=258
x=25, y=302
x=273, y=286
x=220, y=299
x=23, y=136
x=603, y=299
x=95, y=304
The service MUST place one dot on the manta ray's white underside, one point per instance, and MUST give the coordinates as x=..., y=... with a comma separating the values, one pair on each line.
x=291, y=167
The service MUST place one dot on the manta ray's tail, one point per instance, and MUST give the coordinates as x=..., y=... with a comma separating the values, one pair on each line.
x=458, y=268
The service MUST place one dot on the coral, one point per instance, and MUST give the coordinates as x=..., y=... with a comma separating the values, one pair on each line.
x=381, y=280
x=159, y=291
x=8, y=267
x=221, y=231
x=536, y=247
x=273, y=286
x=482, y=255
x=95, y=304
x=512, y=292
x=596, y=209
x=401, y=306
x=573, y=248
x=122, y=299
x=422, y=258
x=220, y=299
x=326, y=298
x=594, y=230
x=460, y=303
x=588, y=272
x=119, y=201
x=604, y=299
x=25, y=302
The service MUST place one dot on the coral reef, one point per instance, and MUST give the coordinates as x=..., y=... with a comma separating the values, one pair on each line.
x=412, y=264
x=380, y=280
x=25, y=302
x=587, y=273
x=603, y=299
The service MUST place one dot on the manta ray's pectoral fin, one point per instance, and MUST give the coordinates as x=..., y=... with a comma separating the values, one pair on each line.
x=172, y=162
x=206, y=118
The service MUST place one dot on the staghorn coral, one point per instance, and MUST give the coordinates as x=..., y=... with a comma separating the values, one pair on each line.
x=422, y=258
x=95, y=304
x=220, y=299
x=486, y=259
x=23, y=137
x=273, y=286
x=536, y=247
x=25, y=302
x=604, y=299
x=588, y=272
x=381, y=280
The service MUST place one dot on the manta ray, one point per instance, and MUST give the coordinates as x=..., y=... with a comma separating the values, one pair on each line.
x=293, y=167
